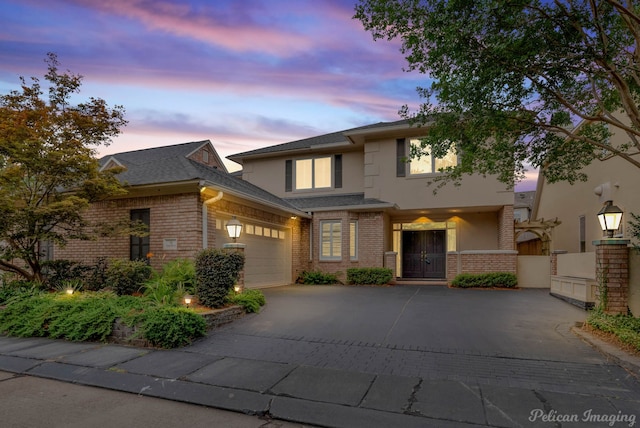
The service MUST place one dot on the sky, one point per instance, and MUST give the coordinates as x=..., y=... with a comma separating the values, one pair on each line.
x=244, y=74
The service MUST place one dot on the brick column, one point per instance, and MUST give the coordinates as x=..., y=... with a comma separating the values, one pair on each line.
x=612, y=274
x=554, y=261
x=239, y=248
x=390, y=258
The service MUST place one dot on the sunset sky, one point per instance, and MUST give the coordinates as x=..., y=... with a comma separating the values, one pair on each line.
x=243, y=74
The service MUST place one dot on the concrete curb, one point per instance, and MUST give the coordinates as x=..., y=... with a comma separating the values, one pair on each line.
x=629, y=362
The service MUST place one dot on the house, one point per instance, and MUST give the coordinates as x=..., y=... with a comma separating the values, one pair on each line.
x=369, y=207
x=576, y=207
x=329, y=202
x=185, y=195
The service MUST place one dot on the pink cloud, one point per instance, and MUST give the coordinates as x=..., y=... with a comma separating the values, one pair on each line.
x=203, y=25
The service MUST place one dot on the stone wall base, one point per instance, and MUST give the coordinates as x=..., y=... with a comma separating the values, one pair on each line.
x=132, y=335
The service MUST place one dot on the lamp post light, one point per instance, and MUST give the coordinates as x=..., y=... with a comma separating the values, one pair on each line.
x=234, y=228
x=609, y=216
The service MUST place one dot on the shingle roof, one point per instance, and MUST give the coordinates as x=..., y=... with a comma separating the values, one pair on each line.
x=312, y=203
x=334, y=137
x=169, y=164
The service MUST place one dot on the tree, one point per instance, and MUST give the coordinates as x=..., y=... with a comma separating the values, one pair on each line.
x=48, y=171
x=511, y=79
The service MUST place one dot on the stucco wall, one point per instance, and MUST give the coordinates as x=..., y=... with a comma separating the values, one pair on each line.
x=410, y=192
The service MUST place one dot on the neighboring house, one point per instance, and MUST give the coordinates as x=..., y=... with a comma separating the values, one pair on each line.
x=372, y=208
x=576, y=207
x=330, y=202
x=185, y=194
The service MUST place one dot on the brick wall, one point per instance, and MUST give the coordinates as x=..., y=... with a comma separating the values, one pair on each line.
x=172, y=217
x=506, y=239
x=481, y=262
x=370, y=247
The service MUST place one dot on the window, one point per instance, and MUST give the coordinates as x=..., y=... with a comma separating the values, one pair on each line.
x=313, y=173
x=427, y=164
x=353, y=240
x=582, y=233
x=205, y=156
x=139, y=245
x=330, y=240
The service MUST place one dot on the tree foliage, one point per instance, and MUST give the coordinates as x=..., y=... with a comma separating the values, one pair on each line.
x=48, y=171
x=509, y=80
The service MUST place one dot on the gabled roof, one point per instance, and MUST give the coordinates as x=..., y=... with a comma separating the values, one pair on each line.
x=171, y=164
x=340, y=137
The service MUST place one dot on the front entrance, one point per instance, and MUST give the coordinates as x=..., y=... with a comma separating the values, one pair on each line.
x=424, y=254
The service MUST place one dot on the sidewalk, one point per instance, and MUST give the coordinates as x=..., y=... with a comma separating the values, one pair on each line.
x=298, y=393
x=35, y=402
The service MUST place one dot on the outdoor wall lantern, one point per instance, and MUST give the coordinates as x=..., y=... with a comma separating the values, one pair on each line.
x=234, y=227
x=610, y=217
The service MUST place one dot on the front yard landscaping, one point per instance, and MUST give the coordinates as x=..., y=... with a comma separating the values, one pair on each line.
x=85, y=304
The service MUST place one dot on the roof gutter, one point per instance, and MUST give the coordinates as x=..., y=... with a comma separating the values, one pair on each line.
x=205, y=214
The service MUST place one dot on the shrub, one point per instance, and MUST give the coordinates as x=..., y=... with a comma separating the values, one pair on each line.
x=484, y=280
x=127, y=276
x=19, y=289
x=316, y=277
x=250, y=300
x=97, y=275
x=59, y=271
x=216, y=273
x=624, y=327
x=369, y=276
x=170, y=327
x=180, y=273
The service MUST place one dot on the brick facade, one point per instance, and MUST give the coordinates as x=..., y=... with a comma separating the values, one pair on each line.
x=506, y=238
x=370, y=248
x=481, y=261
x=164, y=214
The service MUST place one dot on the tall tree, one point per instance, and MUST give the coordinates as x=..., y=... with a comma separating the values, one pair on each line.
x=511, y=79
x=48, y=171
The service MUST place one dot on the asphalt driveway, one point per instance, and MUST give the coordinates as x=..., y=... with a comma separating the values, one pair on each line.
x=521, y=323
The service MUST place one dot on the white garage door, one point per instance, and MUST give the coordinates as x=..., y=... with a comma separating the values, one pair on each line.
x=267, y=254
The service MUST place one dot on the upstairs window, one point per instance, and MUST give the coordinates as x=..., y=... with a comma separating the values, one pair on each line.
x=314, y=173
x=322, y=172
x=428, y=164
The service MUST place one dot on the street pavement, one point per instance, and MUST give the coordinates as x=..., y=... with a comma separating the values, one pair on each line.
x=404, y=356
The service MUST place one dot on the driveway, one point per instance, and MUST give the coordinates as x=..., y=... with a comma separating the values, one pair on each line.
x=524, y=323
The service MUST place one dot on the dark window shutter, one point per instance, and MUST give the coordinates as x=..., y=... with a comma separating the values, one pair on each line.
x=337, y=172
x=288, y=175
x=401, y=164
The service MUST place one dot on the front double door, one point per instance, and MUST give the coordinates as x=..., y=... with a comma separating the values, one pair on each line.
x=424, y=254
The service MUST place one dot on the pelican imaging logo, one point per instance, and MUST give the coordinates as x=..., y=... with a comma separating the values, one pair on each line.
x=588, y=416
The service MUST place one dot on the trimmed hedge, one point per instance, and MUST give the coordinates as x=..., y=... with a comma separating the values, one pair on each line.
x=485, y=280
x=216, y=272
x=317, y=277
x=369, y=276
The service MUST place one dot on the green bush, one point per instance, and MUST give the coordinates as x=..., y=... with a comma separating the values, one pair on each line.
x=250, y=300
x=171, y=327
x=127, y=276
x=19, y=289
x=485, y=280
x=216, y=273
x=369, y=276
x=180, y=273
x=624, y=327
x=60, y=271
x=96, y=278
x=91, y=315
x=316, y=277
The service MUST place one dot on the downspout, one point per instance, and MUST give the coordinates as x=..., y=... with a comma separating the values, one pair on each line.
x=205, y=212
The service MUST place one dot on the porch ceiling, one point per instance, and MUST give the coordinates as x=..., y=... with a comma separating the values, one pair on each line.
x=399, y=212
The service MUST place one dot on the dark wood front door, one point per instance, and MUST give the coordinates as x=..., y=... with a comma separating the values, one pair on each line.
x=423, y=254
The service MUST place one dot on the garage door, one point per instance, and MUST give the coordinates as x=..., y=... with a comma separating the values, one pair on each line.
x=267, y=254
